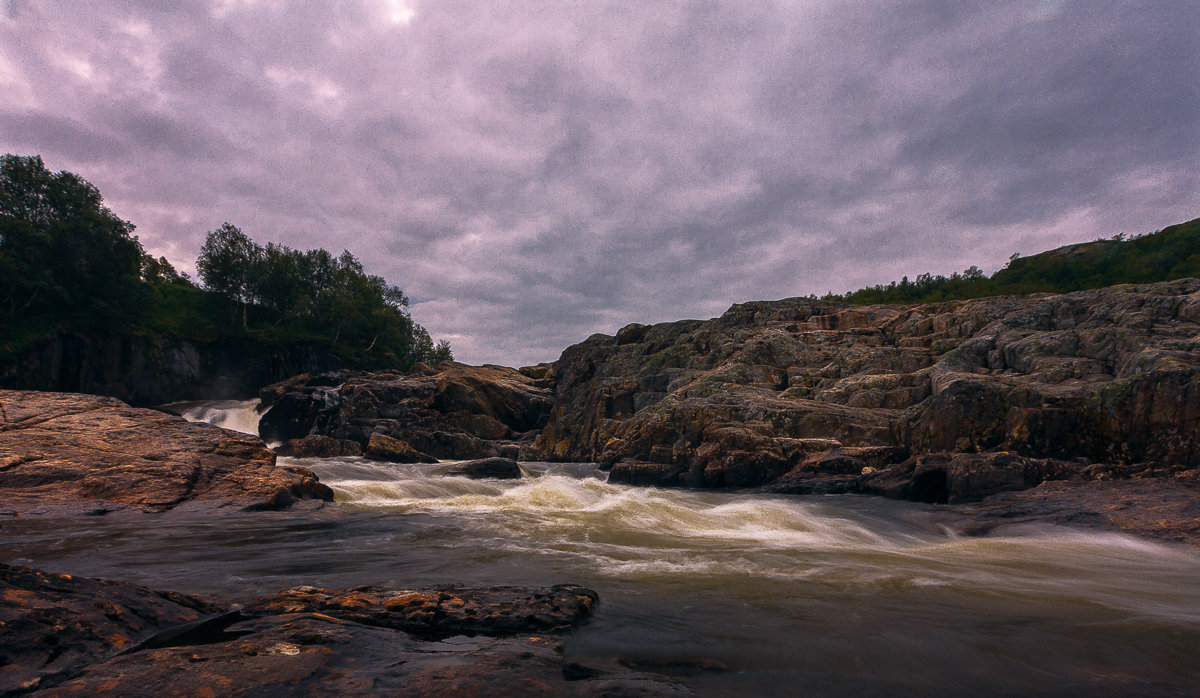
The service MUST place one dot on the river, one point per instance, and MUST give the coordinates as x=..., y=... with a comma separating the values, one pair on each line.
x=726, y=593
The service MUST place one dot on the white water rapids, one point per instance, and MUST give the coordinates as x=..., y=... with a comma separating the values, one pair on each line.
x=235, y=415
x=854, y=543
x=728, y=593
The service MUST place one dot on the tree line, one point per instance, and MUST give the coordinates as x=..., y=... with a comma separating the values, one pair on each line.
x=68, y=264
x=1171, y=253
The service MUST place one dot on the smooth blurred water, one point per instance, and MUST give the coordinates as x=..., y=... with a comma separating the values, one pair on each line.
x=728, y=593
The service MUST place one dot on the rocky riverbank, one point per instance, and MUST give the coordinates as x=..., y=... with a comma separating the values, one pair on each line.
x=65, y=453
x=949, y=403
x=66, y=635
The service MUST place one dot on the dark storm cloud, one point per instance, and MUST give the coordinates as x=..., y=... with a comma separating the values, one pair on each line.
x=531, y=173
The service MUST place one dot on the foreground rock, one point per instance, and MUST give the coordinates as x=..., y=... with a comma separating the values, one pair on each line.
x=69, y=453
x=805, y=395
x=53, y=625
x=74, y=636
x=450, y=411
x=498, y=468
x=442, y=612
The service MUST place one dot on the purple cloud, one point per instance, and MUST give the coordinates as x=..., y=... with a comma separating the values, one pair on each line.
x=531, y=173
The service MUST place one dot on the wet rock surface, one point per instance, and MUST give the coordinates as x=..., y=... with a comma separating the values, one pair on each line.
x=318, y=446
x=387, y=448
x=67, y=453
x=77, y=636
x=1163, y=509
x=53, y=625
x=442, y=612
x=944, y=402
x=450, y=411
x=500, y=468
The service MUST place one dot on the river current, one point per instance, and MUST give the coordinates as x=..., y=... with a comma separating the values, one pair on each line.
x=726, y=593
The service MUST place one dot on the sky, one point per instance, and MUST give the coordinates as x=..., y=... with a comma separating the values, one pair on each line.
x=533, y=172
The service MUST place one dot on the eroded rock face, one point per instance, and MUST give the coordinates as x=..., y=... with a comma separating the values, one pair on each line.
x=69, y=452
x=814, y=396
x=450, y=411
x=74, y=636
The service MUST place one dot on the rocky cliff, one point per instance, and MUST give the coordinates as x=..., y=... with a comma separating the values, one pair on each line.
x=153, y=370
x=805, y=395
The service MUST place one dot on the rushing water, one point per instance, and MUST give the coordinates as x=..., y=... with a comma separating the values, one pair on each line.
x=727, y=593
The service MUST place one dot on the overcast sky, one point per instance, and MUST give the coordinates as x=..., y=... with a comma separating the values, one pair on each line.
x=533, y=172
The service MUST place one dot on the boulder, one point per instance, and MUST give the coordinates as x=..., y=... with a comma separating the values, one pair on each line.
x=441, y=611
x=318, y=446
x=83, y=453
x=498, y=468
x=298, y=413
x=384, y=447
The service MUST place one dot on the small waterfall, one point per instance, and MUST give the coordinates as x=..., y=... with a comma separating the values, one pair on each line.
x=235, y=415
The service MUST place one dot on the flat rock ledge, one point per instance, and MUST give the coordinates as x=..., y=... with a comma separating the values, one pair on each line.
x=65, y=635
x=66, y=453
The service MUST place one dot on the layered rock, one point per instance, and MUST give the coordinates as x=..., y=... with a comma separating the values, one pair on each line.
x=72, y=636
x=819, y=396
x=82, y=453
x=450, y=411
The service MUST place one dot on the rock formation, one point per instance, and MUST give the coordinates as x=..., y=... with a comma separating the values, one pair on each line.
x=82, y=453
x=449, y=411
x=69, y=636
x=499, y=468
x=806, y=395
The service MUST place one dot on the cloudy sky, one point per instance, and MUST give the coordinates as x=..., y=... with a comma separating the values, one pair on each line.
x=532, y=172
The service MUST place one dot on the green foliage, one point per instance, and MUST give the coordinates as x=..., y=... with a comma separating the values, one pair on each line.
x=314, y=295
x=67, y=264
x=1171, y=253
x=65, y=259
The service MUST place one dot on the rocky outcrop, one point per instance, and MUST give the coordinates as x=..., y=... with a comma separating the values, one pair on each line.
x=54, y=625
x=62, y=452
x=442, y=612
x=318, y=446
x=809, y=395
x=154, y=370
x=383, y=447
x=497, y=468
x=451, y=411
x=70, y=636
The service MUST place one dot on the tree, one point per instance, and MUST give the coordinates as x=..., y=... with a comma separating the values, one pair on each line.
x=227, y=265
x=64, y=257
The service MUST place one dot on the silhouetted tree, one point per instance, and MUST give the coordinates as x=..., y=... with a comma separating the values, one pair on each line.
x=64, y=257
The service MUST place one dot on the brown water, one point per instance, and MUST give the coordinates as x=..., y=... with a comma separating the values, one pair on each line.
x=726, y=593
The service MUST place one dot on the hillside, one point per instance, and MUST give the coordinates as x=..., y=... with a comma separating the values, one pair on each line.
x=1171, y=253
